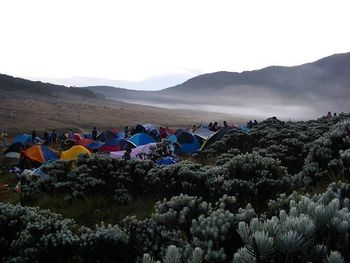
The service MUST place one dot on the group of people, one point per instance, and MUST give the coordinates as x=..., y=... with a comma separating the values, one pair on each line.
x=215, y=127
x=251, y=124
x=48, y=138
x=329, y=115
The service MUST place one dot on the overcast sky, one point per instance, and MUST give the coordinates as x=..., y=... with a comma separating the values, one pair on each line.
x=150, y=44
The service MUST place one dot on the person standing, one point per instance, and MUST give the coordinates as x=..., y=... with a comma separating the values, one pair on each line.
x=46, y=137
x=126, y=132
x=70, y=135
x=33, y=137
x=94, y=134
x=53, y=137
x=4, y=136
x=127, y=154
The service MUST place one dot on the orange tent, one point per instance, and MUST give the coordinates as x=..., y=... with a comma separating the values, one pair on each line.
x=40, y=154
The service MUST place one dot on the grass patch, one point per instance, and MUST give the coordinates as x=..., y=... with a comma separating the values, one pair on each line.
x=93, y=210
x=8, y=194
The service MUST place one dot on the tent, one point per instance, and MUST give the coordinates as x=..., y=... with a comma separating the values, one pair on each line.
x=107, y=136
x=87, y=136
x=152, y=130
x=40, y=153
x=117, y=144
x=13, y=151
x=166, y=161
x=77, y=137
x=143, y=149
x=90, y=144
x=244, y=128
x=74, y=152
x=23, y=138
x=216, y=137
x=203, y=133
x=188, y=141
x=139, y=129
x=141, y=139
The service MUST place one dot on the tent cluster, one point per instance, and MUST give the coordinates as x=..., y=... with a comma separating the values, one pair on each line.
x=113, y=142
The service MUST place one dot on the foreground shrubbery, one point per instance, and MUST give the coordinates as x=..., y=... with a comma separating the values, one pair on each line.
x=242, y=208
x=296, y=228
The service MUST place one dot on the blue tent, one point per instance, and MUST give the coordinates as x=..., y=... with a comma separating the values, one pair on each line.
x=166, y=161
x=188, y=141
x=23, y=138
x=141, y=139
x=244, y=128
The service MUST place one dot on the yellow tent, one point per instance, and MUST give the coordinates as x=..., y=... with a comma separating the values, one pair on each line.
x=72, y=153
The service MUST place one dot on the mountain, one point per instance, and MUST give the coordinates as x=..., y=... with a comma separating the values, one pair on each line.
x=11, y=86
x=27, y=105
x=320, y=85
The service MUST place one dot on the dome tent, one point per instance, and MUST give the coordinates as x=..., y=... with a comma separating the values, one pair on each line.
x=141, y=139
x=117, y=144
x=23, y=138
x=188, y=141
x=90, y=144
x=40, y=153
x=74, y=152
x=216, y=137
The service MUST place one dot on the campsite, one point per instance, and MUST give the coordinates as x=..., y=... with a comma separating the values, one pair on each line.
x=197, y=192
x=179, y=131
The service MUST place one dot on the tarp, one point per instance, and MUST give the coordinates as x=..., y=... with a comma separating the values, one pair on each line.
x=23, y=138
x=13, y=151
x=166, y=161
x=244, y=128
x=188, y=141
x=216, y=137
x=91, y=144
x=203, y=133
x=40, y=154
x=74, y=152
x=143, y=149
x=117, y=144
x=141, y=139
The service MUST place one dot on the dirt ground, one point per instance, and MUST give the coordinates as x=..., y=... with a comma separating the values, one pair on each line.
x=23, y=115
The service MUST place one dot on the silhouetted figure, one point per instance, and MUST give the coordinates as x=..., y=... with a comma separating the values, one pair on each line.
x=33, y=137
x=46, y=137
x=70, y=135
x=94, y=134
x=127, y=155
x=126, y=132
x=329, y=115
x=335, y=114
x=250, y=124
x=210, y=126
x=255, y=123
x=54, y=137
x=162, y=133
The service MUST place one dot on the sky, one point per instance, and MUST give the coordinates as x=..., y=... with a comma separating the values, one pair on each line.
x=156, y=44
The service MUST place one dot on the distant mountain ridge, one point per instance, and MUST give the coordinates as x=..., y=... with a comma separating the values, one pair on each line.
x=11, y=86
x=324, y=81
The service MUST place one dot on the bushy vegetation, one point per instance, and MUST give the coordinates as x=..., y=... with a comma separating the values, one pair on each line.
x=279, y=193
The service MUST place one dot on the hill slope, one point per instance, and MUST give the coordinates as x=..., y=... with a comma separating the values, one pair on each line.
x=27, y=105
x=322, y=85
